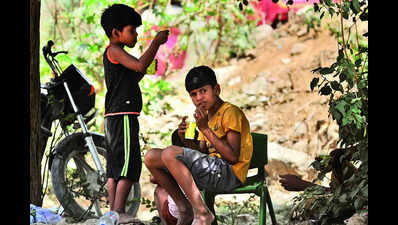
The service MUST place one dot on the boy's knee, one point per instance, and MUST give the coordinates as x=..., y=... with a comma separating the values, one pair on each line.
x=149, y=157
x=160, y=192
x=168, y=153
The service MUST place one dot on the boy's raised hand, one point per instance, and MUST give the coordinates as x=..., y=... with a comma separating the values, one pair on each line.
x=162, y=36
x=182, y=127
x=201, y=118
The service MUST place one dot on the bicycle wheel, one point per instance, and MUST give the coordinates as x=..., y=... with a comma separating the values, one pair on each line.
x=77, y=183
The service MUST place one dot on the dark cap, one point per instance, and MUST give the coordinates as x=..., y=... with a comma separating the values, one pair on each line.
x=198, y=77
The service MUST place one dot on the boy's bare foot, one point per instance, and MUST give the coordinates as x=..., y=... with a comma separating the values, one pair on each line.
x=126, y=218
x=203, y=219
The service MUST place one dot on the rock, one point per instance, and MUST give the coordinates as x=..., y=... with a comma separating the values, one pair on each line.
x=244, y=218
x=259, y=85
x=225, y=73
x=262, y=32
x=333, y=132
x=301, y=145
x=302, y=32
x=297, y=49
x=314, y=145
x=286, y=61
x=286, y=155
x=258, y=122
x=300, y=129
x=233, y=81
x=282, y=140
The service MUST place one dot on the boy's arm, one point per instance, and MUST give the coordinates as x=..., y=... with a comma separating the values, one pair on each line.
x=229, y=147
x=140, y=65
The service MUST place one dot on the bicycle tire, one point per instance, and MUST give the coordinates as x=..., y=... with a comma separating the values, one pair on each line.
x=65, y=150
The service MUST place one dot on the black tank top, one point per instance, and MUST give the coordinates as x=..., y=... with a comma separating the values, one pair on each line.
x=123, y=94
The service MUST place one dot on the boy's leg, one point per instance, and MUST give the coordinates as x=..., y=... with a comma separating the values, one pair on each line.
x=184, y=178
x=129, y=165
x=111, y=192
x=155, y=165
x=160, y=196
x=202, y=215
x=122, y=192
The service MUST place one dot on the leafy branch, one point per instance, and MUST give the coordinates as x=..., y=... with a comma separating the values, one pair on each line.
x=346, y=83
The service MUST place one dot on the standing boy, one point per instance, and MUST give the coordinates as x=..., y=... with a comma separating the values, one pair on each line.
x=123, y=102
x=219, y=163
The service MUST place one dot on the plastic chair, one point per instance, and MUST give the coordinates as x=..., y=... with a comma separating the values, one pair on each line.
x=254, y=184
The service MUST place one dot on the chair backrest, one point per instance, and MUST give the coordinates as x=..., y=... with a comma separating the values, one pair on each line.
x=260, y=156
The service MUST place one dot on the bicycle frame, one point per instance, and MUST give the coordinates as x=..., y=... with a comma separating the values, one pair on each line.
x=53, y=63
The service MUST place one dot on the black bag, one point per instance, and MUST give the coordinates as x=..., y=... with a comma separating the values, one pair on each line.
x=82, y=90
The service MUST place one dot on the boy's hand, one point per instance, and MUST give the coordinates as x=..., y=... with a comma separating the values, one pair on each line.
x=201, y=118
x=161, y=37
x=293, y=182
x=182, y=127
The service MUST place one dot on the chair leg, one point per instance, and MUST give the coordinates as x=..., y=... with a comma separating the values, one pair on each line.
x=263, y=208
x=209, y=199
x=270, y=207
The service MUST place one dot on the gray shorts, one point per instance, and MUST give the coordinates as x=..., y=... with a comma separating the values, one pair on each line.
x=209, y=173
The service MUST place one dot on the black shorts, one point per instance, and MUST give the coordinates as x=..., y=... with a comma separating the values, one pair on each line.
x=209, y=173
x=123, y=158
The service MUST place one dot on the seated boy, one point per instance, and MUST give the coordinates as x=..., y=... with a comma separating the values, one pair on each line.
x=219, y=163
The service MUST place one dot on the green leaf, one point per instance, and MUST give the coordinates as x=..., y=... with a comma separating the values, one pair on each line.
x=364, y=16
x=343, y=198
x=314, y=82
x=316, y=70
x=316, y=8
x=364, y=191
x=341, y=107
x=337, y=86
x=355, y=6
x=325, y=90
x=326, y=70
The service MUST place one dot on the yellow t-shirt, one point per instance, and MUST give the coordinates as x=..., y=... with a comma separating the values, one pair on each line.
x=230, y=117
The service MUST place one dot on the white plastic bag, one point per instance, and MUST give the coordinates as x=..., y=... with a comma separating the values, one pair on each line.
x=41, y=215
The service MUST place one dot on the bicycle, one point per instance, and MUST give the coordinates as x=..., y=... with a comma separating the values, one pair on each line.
x=68, y=100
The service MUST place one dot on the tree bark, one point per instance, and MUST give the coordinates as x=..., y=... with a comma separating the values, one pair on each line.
x=34, y=107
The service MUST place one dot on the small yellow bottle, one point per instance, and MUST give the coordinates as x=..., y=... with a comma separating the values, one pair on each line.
x=190, y=131
x=152, y=67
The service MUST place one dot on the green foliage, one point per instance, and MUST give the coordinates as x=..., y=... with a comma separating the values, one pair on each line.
x=313, y=22
x=346, y=84
x=152, y=93
x=217, y=22
x=229, y=210
x=79, y=186
x=151, y=205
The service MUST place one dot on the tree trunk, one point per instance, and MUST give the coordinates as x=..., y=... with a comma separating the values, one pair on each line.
x=35, y=152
